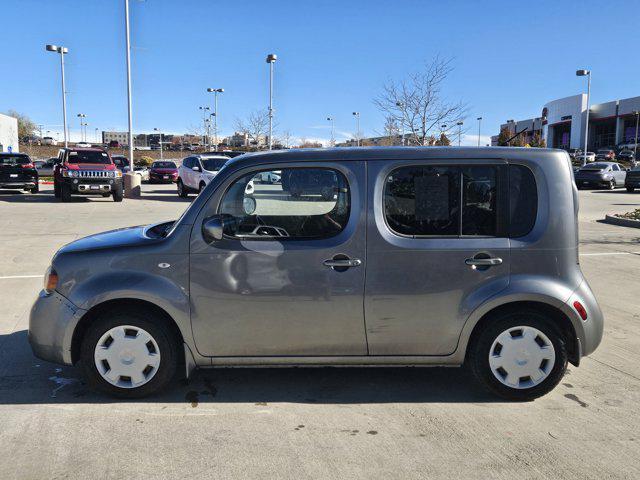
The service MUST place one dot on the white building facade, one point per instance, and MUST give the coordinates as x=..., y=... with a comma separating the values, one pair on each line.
x=9, y=141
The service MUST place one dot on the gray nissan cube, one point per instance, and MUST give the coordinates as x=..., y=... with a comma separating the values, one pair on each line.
x=352, y=256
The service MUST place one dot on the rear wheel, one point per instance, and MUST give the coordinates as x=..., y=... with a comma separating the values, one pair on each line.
x=630, y=189
x=35, y=188
x=519, y=356
x=128, y=354
x=612, y=184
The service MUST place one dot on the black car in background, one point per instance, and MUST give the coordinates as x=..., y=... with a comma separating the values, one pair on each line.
x=17, y=171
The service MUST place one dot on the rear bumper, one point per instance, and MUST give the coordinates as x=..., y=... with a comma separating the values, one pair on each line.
x=589, y=331
x=632, y=182
x=52, y=321
x=19, y=184
x=594, y=182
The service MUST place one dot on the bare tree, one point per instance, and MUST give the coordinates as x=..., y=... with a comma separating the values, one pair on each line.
x=26, y=127
x=284, y=139
x=417, y=103
x=391, y=131
x=256, y=126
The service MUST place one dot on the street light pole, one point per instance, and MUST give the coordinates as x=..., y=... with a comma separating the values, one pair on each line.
x=357, y=115
x=333, y=140
x=479, y=122
x=635, y=146
x=62, y=51
x=271, y=59
x=215, y=113
x=204, y=124
x=459, y=124
x=587, y=73
x=81, y=116
x=158, y=130
x=128, y=55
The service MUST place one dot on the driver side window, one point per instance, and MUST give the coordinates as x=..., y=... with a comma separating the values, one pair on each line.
x=301, y=203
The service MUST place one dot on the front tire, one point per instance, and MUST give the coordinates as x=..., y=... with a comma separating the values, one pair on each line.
x=65, y=193
x=118, y=194
x=519, y=355
x=612, y=185
x=201, y=187
x=128, y=354
x=36, y=188
x=182, y=190
x=630, y=189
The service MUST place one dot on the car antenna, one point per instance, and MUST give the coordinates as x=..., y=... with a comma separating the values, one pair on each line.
x=517, y=135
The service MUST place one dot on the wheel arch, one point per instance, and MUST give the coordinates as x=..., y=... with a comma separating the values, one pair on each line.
x=559, y=317
x=131, y=304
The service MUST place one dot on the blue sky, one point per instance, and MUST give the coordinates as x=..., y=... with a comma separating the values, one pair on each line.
x=333, y=57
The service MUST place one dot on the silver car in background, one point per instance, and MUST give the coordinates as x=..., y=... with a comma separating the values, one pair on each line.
x=601, y=175
x=419, y=256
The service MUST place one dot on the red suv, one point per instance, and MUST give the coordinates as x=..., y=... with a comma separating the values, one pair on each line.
x=86, y=171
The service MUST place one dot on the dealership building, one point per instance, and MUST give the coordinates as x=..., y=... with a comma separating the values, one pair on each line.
x=562, y=123
x=8, y=134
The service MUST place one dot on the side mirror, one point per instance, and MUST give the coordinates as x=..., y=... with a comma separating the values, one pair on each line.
x=213, y=228
x=195, y=169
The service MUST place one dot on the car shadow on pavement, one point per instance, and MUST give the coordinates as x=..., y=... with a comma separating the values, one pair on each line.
x=25, y=379
x=11, y=196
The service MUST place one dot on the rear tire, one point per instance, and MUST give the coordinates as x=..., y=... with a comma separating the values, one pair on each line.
x=129, y=356
x=520, y=354
x=612, y=185
x=36, y=188
x=65, y=193
x=630, y=189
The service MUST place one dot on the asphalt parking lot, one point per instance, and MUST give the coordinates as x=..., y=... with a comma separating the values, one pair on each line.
x=312, y=423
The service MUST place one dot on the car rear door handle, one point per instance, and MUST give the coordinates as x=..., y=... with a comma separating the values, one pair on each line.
x=483, y=262
x=342, y=262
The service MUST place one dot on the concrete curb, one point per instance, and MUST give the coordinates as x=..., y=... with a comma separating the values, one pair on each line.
x=623, y=222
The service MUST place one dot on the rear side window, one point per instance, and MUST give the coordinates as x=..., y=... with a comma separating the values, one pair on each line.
x=422, y=201
x=523, y=201
x=295, y=203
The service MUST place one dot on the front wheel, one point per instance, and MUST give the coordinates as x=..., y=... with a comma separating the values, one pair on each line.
x=519, y=356
x=65, y=193
x=56, y=190
x=36, y=188
x=612, y=184
x=630, y=189
x=118, y=194
x=201, y=187
x=182, y=191
x=128, y=354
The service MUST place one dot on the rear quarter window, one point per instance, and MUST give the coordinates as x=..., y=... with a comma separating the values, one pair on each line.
x=523, y=201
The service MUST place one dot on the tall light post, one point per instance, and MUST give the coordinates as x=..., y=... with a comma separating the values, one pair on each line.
x=204, y=111
x=128, y=55
x=459, y=124
x=479, y=123
x=82, y=116
x=635, y=145
x=271, y=59
x=333, y=139
x=443, y=129
x=96, y=134
x=158, y=130
x=400, y=105
x=357, y=115
x=62, y=51
x=215, y=91
x=586, y=73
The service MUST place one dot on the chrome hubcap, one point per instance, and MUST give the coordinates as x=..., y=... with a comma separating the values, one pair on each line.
x=521, y=357
x=127, y=356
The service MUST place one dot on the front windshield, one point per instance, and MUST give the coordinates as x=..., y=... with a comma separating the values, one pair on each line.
x=90, y=156
x=163, y=165
x=214, y=164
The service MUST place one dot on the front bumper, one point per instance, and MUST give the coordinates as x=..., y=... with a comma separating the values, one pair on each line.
x=93, y=186
x=52, y=321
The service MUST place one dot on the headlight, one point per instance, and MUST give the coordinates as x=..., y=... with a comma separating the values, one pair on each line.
x=69, y=173
x=117, y=174
x=50, y=280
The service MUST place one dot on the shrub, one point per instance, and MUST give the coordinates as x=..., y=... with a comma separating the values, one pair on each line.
x=144, y=161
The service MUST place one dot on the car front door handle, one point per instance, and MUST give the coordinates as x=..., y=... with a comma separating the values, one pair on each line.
x=342, y=262
x=483, y=262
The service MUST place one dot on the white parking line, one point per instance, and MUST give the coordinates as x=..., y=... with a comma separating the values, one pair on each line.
x=608, y=253
x=21, y=276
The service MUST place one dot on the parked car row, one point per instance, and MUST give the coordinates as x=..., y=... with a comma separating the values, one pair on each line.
x=607, y=175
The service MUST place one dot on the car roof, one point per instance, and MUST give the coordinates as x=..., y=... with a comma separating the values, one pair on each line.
x=84, y=149
x=397, y=153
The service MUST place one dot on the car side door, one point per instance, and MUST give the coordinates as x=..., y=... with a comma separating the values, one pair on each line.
x=286, y=275
x=619, y=173
x=436, y=249
x=186, y=173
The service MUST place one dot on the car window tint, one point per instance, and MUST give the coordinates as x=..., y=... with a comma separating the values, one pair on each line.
x=479, y=200
x=304, y=203
x=423, y=200
x=523, y=200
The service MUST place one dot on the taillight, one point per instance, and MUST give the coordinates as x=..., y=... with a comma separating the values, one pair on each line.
x=580, y=309
x=27, y=165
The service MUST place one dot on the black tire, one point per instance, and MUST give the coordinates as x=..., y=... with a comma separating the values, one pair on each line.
x=630, y=189
x=612, y=185
x=479, y=349
x=118, y=194
x=36, y=188
x=201, y=187
x=56, y=190
x=160, y=332
x=182, y=190
x=65, y=193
